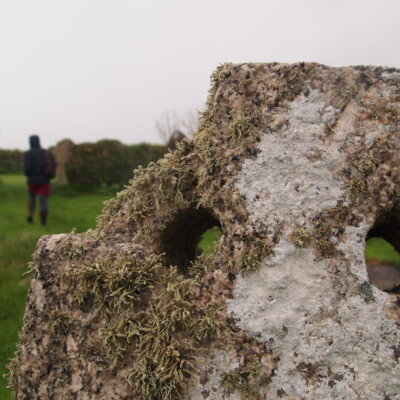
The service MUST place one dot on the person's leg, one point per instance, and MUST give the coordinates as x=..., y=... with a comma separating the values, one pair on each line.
x=31, y=206
x=43, y=209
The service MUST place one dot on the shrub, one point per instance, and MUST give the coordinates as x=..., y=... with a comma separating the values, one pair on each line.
x=11, y=161
x=108, y=162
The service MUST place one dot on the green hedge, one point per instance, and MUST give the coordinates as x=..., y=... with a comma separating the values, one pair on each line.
x=108, y=162
x=11, y=161
x=93, y=165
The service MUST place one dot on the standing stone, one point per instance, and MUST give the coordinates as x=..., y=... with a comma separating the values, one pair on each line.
x=174, y=139
x=63, y=155
x=298, y=165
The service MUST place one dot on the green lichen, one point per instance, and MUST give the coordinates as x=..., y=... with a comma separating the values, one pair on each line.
x=164, y=352
x=246, y=124
x=366, y=166
x=33, y=268
x=324, y=246
x=157, y=336
x=62, y=381
x=58, y=322
x=321, y=227
x=119, y=333
x=338, y=213
x=301, y=237
x=70, y=248
x=201, y=265
x=347, y=92
x=171, y=179
x=251, y=259
x=12, y=376
x=206, y=117
x=241, y=127
x=115, y=280
x=321, y=234
x=357, y=186
x=208, y=325
x=243, y=380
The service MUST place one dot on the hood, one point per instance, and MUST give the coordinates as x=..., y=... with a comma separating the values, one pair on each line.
x=34, y=142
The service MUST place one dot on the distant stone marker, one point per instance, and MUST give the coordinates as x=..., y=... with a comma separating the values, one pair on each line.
x=174, y=139
x=297, y=165
x=63, y=154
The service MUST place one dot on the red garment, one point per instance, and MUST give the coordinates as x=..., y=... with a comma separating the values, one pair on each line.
x=42, y=189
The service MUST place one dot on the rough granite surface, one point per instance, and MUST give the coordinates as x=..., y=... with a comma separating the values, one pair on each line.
x=298, y=164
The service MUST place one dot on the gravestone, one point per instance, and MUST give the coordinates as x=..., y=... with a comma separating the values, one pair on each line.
x=63, y=155
x=174, y=139
x=297, y=164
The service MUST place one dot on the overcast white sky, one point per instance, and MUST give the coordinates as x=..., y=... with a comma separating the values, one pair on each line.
x=93, y=69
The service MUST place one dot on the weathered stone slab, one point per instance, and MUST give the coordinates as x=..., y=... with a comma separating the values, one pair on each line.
x=63, y=155
x=298, y=165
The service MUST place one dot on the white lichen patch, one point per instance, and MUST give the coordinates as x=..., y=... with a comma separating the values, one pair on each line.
x=294, y=170
x=51, y=242
x=330, y=345
x=289, y=304
x=390, y=76
x=288, y=291
x=40, y=294
x=353, y=246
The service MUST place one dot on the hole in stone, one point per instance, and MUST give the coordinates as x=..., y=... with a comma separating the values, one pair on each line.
x=382, y=253
x=189, y=234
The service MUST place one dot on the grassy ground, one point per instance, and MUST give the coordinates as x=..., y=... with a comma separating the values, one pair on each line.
x=209, y=240
x=67, y=210
x=378, y=248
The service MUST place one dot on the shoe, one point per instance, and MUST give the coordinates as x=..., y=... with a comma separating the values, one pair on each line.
x=31, y=210
x=43, y=217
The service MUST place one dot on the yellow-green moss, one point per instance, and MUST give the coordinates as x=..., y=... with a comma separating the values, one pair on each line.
x=366, y=166
x=115, y=280
x=158, y=335
x=246, y=123
x=207, y=116
x=321, y=234
x=301, y=237
x=58, y=322
x=338, y=213
x=201, y=265
x=243, y=380
x=12, y=376
x=251, y=259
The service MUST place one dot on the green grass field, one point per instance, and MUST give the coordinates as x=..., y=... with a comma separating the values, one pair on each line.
x=379, y=249
x=67, y=210
x=209, y=239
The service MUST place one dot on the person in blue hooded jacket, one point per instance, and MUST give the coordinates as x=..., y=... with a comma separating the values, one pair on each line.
x=38, y=180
